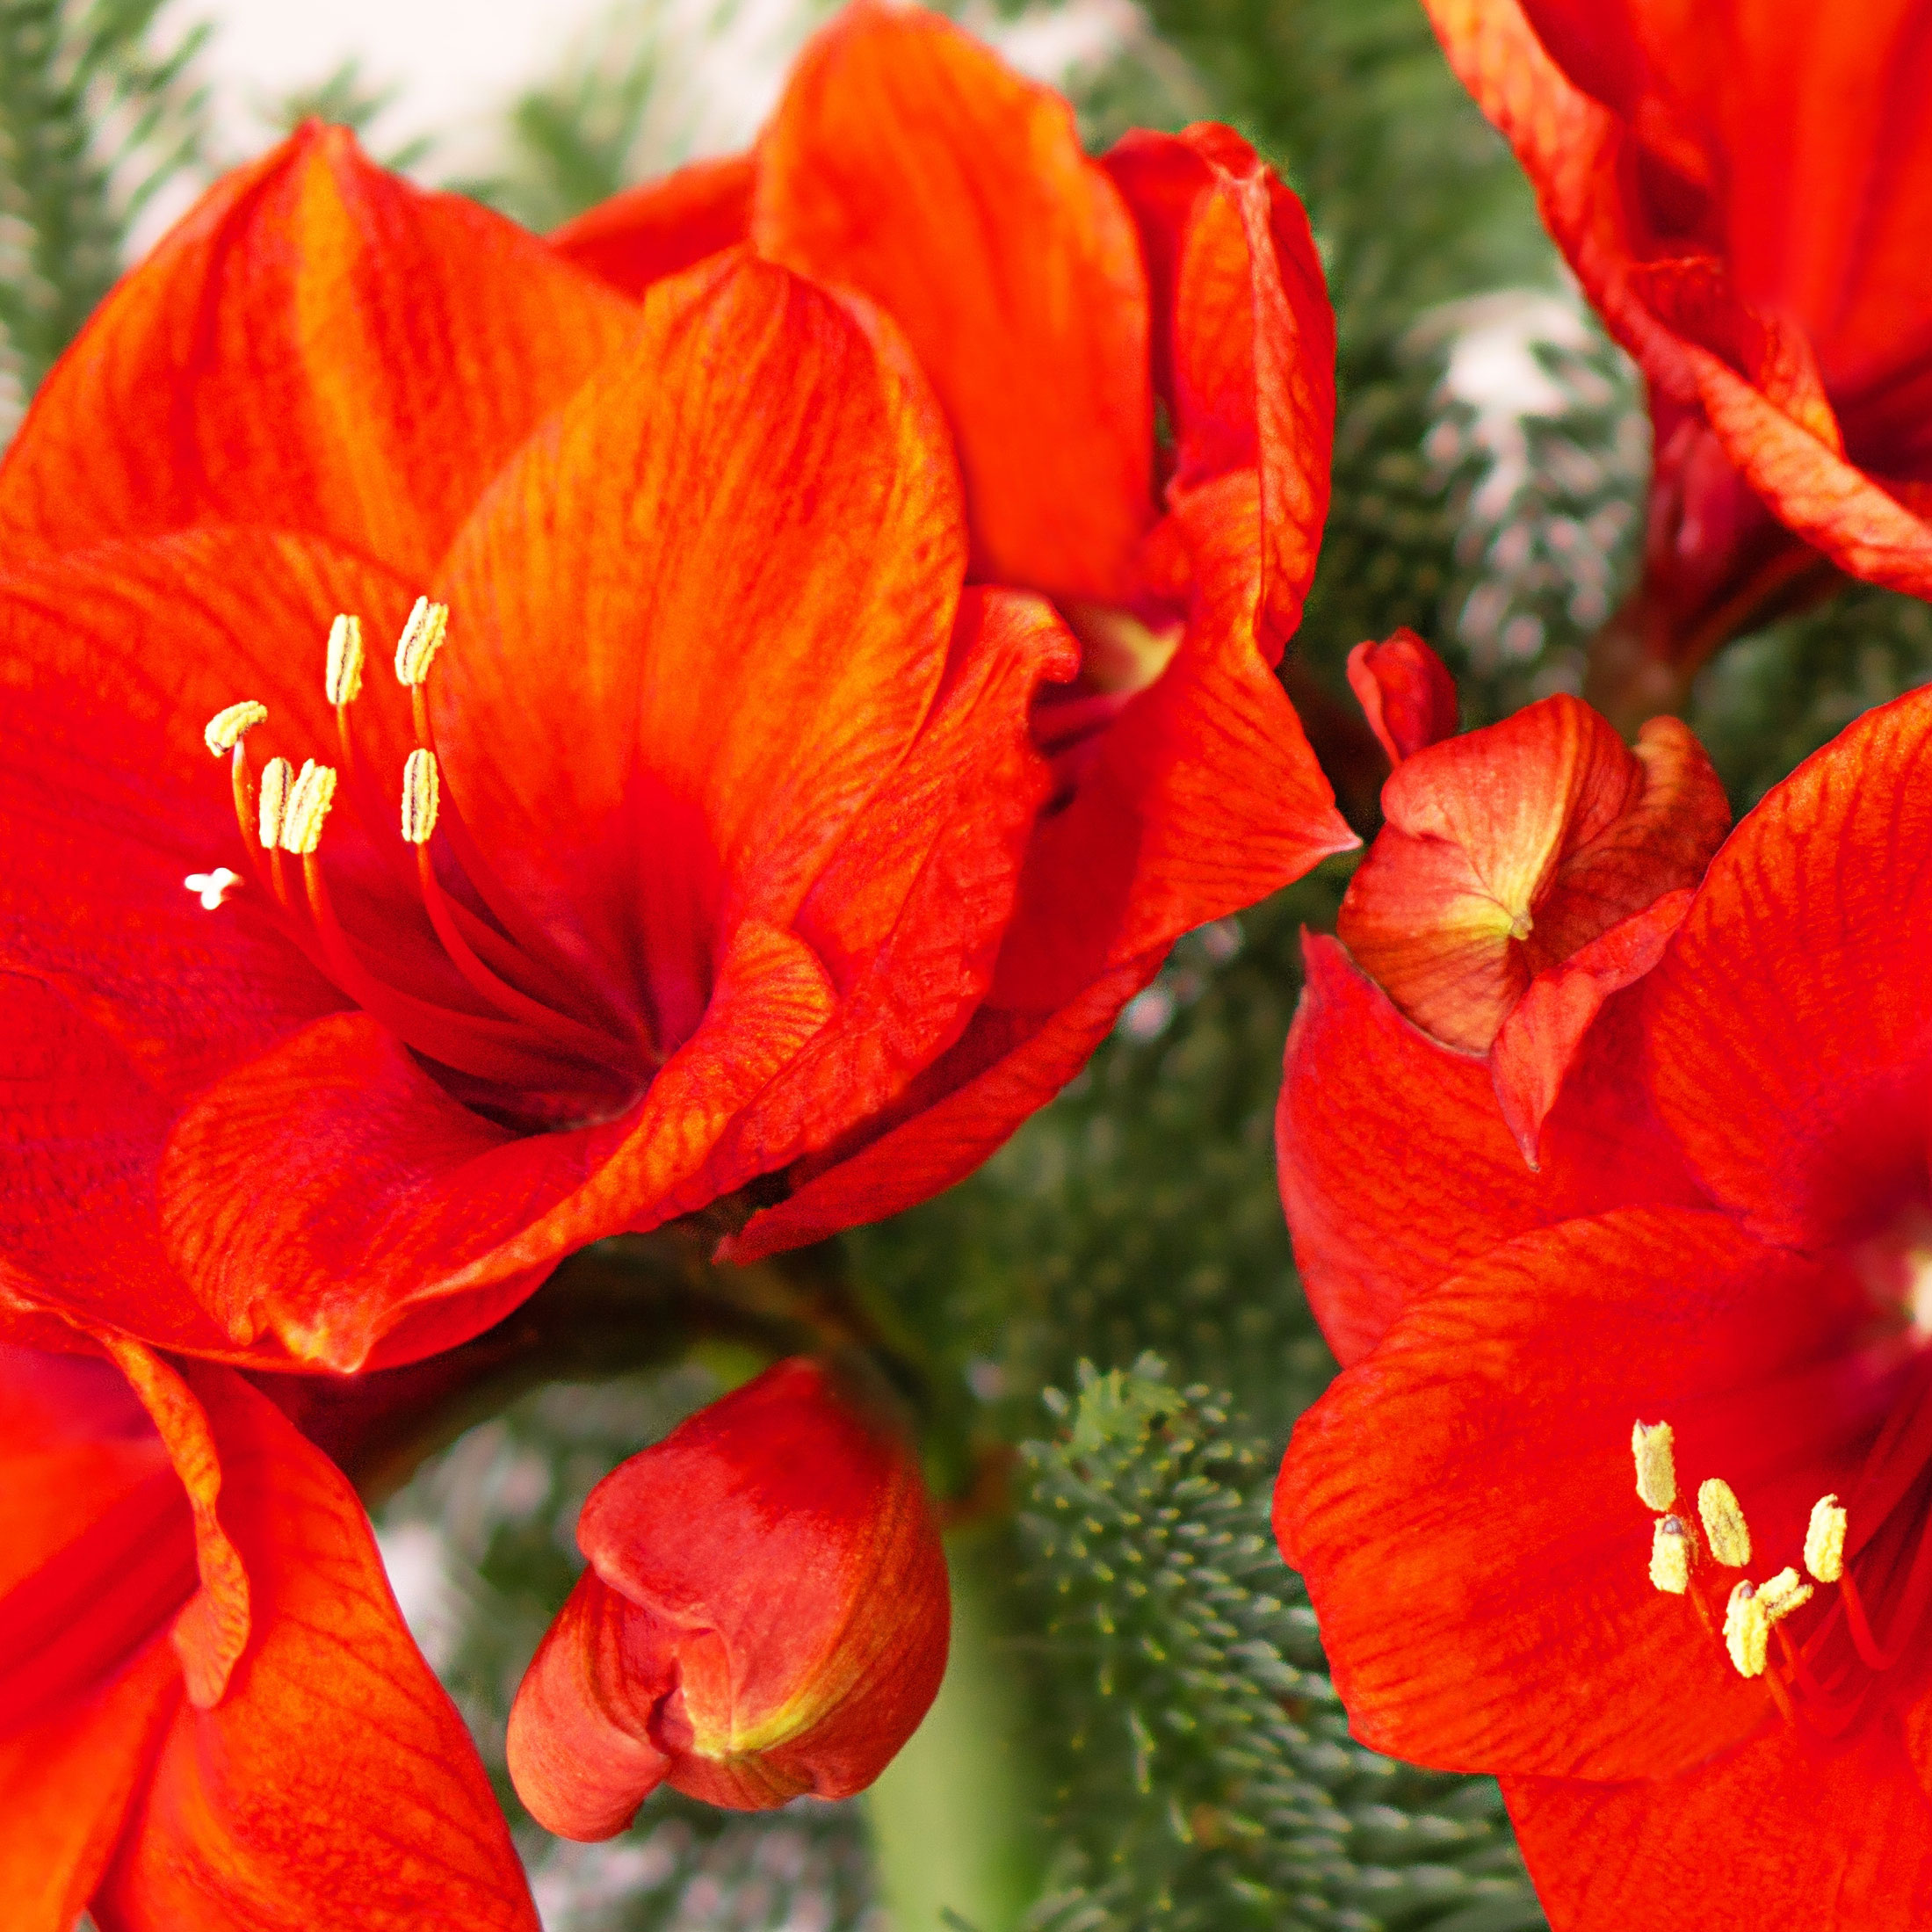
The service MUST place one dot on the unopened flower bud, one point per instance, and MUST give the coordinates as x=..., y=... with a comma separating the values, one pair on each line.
x=764, y=1614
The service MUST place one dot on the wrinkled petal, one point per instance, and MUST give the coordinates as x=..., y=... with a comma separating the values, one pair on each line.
x=1809, y=932
x=906, y=162
x=1396, y=1167
x=654, y=230
x=335, y=1759
x=1243, y=342
x=1462, y=1500
x=1406, y=692
x=1538, y=1043
x=290, y=346
x=1510, y=848
x=1841, y=1833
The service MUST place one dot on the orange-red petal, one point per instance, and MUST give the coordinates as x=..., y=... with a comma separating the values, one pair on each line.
x=1781, y=1827
x=655, y=229
x=1406, y=692
x=1462, y=1500
x=1789, y=1038
x=286, y=356
x=335, y=1759
x=906, y=162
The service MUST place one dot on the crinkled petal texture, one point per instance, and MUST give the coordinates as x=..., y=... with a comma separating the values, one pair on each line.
x=766, y=1614
x=1461, y=1500
x=1053, y=301
x=288, y=1749
x=1743, y=191
x=783, y=872
x=1510, y=849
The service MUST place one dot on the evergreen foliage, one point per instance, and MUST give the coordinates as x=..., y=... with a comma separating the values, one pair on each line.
x=96, y=115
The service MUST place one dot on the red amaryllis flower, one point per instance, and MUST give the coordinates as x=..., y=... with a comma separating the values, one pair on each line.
x=1526, y=872
x=1135, y=356
x=766, y=1614
x=714, y=785
x=211, y=1714
x=1744, y=191
x=1711, y=1700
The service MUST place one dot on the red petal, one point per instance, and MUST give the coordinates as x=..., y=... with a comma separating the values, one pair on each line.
x=402, y=1222
x=1779, y=1831
x=728, y=704
x=647, y=233
x=909, y=915
x=1243, y=342
x=580, y=1748
x=906, y=162
x=1789, y=1034
x=1462, y=1501
x=317, y=345
x=1005, y=1067
x=1406, y=692
x=334, y=1751
x=1539, y=1042
x=66, y=1782
x=1397, y=1170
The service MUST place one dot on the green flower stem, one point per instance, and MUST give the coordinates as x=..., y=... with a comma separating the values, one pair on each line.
x=958, y=1819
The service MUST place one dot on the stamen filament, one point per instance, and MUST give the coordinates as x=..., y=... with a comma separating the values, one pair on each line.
x=470, y=1044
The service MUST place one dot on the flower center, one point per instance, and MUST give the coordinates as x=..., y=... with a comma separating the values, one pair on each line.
x=476, y=988
x=1824, y=1677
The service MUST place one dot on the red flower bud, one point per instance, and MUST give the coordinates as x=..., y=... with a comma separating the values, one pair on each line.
x=766, y=1614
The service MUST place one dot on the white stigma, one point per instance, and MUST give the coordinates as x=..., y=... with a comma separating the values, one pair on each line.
x=211, y=887
x=1724, y=1524
x=342, y=679
x=1747, y=1630
x=1671, y=1555
x=1656, y=1470
x=276, y=776
x=420, y=794
x=1825, y=1540
x=232, y=724
x=421, y=638
x=309, y=798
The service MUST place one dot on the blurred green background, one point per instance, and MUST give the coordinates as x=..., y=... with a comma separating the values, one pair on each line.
x=1137, y=1730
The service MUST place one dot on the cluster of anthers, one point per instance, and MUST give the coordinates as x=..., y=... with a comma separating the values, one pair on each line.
x=1813, y=1679
x=516, y=1015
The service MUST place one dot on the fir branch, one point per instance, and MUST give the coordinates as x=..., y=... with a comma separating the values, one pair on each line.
x=1209, y=1780
x=94, y=120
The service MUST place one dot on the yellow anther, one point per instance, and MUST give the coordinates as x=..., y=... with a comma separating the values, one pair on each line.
x=309, y=798
x=276, y=776
x=231, y=724
x=1825, y=1540
x=343, y=680
x=419, y=797
x=1747, y=1630
x=421, y=638
x=1671, y=1555
x=1723, y=1525
x=1656, y=1471
x=1781, y=1593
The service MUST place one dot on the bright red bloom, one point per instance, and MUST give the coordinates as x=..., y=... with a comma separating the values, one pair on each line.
x=1526, y=872
x=1136, y=359
x=766, y=1614
x=1735, y=1240
x=714, y=854
x=1744, y=192
x=211, y=1714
